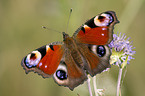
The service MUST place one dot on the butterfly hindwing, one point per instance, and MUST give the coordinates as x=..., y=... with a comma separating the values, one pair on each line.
x=69, y=74
x=96, y=56
x=73, y=61
x=44, y=60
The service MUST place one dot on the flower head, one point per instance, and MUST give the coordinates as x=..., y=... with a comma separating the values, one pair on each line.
x=121, y=50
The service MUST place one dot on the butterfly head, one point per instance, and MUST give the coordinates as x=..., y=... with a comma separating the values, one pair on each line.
x=65, y=36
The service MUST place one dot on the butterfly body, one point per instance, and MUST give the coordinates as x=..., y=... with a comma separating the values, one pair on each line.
x=86, y=52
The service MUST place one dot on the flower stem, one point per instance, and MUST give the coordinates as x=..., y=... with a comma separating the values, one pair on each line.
x=89, y=86
x=95, y=86
x=119, y=82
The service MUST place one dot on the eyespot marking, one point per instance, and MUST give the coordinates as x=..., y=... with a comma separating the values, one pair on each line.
x=101, y=51
x=61, y=74
x=104, y=19
x=33, y=56
x=32, y=59
x=101, y=18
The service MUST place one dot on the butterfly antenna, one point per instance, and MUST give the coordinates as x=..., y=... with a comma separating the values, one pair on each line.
x=51, y=29
x=68, y=20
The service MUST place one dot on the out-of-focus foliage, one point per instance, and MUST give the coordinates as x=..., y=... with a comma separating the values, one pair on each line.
x=21, y=32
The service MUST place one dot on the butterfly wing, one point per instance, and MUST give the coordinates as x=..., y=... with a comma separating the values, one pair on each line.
x=92, y=39
x=69, y=73
x=44, y=60
x=96, y=57
x=98, y=30
x=53, y=60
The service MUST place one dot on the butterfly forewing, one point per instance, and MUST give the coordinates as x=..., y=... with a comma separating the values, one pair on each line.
x=98, y=30
x=44, y=60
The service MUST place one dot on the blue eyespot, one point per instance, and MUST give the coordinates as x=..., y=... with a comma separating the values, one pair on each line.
x=101, y=51
x=62, y=75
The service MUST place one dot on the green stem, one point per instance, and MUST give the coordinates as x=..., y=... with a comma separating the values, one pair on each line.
x=89, y=86
x=119, y=82
x=95, y=86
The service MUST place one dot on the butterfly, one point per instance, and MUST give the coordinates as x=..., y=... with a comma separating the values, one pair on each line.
x=86, y=52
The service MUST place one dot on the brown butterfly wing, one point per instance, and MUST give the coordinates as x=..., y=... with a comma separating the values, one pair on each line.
x=96, y=57
x=75, y=75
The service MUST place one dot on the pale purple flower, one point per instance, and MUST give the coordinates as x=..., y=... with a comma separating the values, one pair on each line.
x=122, y=49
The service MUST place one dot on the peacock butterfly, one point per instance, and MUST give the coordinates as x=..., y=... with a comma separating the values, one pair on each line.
x=86, y=52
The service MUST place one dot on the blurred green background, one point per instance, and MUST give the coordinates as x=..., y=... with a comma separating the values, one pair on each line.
x=21, y=32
